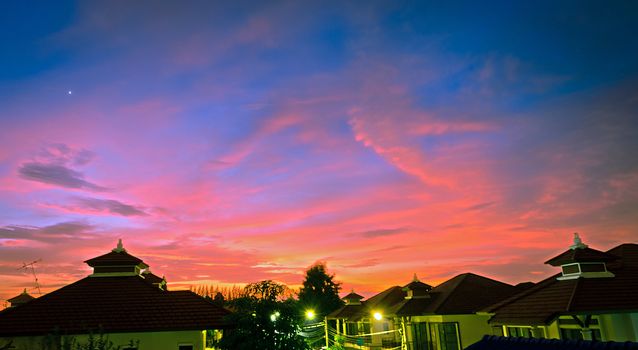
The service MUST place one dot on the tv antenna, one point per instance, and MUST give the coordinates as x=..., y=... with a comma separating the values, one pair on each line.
x=31, y=266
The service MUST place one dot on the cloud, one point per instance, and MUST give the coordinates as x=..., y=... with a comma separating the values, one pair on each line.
x=60, y=153
x=111, y=206
x=56, y=174
x=48, y=234
x=383, y=232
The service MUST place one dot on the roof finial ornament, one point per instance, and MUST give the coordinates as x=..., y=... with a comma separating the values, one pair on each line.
x=24, y=291
x=415, y=278
x=120, y=247
x=578, y=243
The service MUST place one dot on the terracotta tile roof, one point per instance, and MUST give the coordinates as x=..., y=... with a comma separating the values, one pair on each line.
x=114, y=258
x=551, y=297
x=581, y=255
x=491, y=342
x=113, y=304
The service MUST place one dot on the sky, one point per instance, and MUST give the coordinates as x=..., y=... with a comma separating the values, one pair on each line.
x=228, y=142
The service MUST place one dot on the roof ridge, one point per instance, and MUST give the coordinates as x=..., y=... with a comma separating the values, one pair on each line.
x=462, y=276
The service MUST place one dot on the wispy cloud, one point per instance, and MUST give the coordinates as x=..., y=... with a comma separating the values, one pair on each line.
x=58, y=175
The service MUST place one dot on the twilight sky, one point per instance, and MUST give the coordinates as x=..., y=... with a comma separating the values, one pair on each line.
x=228, y=142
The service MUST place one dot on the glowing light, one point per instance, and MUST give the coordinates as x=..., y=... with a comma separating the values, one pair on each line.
x=377, y=316
x=69, y=92
x=274, y=316
x=310, y=314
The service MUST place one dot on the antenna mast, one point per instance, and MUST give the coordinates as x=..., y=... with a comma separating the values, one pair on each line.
x=31, y=266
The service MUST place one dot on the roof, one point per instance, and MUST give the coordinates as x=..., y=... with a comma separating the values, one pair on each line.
x=151, y=277
x=348, y=312
x=21, y=299
x=466, y=293
x=417, y=285
x=491, y=342
x=551, y=298
x=112, y=304
x=115, y=258
x=580, y=255
x=353, y=296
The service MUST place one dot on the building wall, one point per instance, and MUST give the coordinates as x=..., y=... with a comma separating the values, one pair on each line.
x=147, y=340
x=471, y=327
x=619, y=327
x=613, y=327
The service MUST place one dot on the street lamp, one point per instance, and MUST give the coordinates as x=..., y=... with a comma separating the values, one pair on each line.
x=310, y=314
x=377, y=316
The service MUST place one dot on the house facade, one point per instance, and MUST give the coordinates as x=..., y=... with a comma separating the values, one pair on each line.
x=418, y=316
x=594, y=297
x=121, y=300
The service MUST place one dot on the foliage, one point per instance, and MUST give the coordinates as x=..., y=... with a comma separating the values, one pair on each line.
x=319, y=291
x=210, y=291
x=264, y=320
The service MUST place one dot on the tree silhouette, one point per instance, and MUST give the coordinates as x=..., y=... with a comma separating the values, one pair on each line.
x=320, y=293
x=263, y=320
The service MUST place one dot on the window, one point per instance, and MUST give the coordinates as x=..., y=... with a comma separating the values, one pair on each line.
x=570, y=269
x=523, y=332
x=352, y=328
x=576, y=334
x=185, y=347
x=420, y=331
x=444, y=336
x=593, y=267
x=386, y=326
x=497, y=330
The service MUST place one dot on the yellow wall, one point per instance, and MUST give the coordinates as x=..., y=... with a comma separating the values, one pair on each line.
x=148, y=340
x=619, y=327
x=613, y=327
x=471, y=327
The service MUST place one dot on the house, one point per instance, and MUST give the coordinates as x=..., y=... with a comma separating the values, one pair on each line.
x=121, y=299
x=418, y=316
x=594, y=297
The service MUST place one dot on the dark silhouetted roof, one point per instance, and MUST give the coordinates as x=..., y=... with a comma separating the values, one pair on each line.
x=353, y=296
x=151, y=277
x=550, y=298
x=112, y=304
x=580, y=255
x=115, y=259
x=384, y=300
x=510, y=343
x=464, y=294
x=20, y=299
x=417, y=285
x=348, y=312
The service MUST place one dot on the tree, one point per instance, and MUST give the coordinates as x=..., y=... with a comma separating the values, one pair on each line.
x=263, y=320
x=320, y=293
